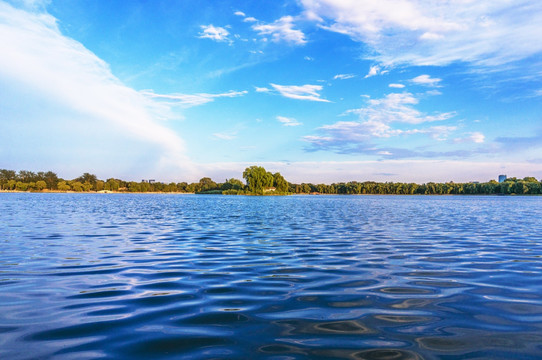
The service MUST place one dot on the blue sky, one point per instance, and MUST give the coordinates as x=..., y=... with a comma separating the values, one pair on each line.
x=320, y=90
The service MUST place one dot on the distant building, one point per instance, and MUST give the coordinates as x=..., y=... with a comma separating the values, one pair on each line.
x=502, y=178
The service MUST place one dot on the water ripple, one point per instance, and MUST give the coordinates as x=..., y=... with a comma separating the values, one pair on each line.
x=199, y=277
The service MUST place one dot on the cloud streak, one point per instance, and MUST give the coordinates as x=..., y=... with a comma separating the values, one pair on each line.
x=189, y=100
x=80, y=99
x=343, y=76
x=486, y=34
x=288, y=121
x=376, y=122
x=300, y=92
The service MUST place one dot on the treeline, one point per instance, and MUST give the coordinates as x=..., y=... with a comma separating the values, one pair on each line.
x=258, y=181
x=43, y=181
x=525, y=186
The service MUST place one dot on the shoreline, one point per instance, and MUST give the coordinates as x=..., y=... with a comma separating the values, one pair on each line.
x=93, y=192
x=191, y=193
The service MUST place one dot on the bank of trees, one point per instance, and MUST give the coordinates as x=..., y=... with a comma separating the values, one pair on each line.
x=259, y=181
x=525, y=186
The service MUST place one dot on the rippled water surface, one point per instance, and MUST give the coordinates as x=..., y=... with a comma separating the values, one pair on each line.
x=325, y=277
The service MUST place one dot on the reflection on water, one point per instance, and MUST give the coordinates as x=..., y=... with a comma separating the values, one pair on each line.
x=199, y=277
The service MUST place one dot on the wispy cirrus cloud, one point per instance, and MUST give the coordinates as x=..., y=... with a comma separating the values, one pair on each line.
x=397, y=107
x=396, y=86
x=215, y=33
x=300, y=92
x=73, y=99
x=515, y=143
x=288, y=121
x=189, y=100
x=261, y=89
x=376, y=121
x=225, y=135
x=486, y=34
x=282, y=30
x=343, y=76
x=473, y=137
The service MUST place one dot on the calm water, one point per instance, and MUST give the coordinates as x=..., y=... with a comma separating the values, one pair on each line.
x=323, y=277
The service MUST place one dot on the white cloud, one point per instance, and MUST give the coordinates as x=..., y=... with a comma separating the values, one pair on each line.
x=225, y=136
x=308, y=58
x=473, y=137
x=433, y=92
x=64, y=95
x=376, y=121
x=239, y=13
x=397, y=107
x=420, y=32
x=288, y=121
x=431, y=36
x=33, y=5
x=397, y=86
x=214, y=33
x=440, y=133
x=262, y=89
x=426, y=80
x=477, y=137
x=373, y=71
x=343, y=76
x=300, y=92
x=250, y=19
x=282, y=30
x=191, y=99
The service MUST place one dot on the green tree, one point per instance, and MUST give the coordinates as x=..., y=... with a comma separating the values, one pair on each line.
x=51, y=179
x=76, y=186
x=26, y=176
x=87, y=178
x=11, y=184
x=232, y=184
x=182, y=186
x=99, y=185
x=206, y=184
x=192, y=188
x=257, y=179
x=133, y=186
x=112, y=185
x=63, y=186
x=5, y=176
x=40, y=185
x=280, y=183
x=21, y=186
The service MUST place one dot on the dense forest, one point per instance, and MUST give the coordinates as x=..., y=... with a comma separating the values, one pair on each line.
x=258, y=181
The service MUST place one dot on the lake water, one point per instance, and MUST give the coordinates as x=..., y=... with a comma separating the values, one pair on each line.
x=301, y=277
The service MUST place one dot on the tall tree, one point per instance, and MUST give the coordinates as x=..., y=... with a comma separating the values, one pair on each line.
x=257, y=179
x=206, y=184
x=280, y=183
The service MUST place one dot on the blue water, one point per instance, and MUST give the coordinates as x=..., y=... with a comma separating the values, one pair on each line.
x=86, y=276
